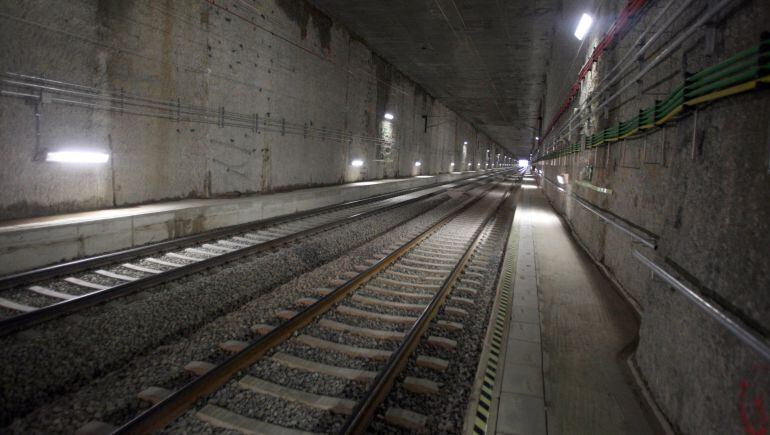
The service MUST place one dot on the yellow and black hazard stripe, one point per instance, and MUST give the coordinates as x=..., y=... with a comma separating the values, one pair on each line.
x=493, y=359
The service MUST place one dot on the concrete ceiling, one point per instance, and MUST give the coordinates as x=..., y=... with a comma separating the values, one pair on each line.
x=485, y=59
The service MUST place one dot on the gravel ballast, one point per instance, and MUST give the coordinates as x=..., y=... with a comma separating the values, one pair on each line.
x=94, y=353
x=446, y=412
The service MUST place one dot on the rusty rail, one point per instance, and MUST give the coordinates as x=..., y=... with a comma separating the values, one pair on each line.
x=364, y=412
x=165, y=411
x=50, y=312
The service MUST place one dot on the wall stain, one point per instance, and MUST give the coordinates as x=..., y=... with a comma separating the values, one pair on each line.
x=301, y=11
x=181, y=227
x=384, y=73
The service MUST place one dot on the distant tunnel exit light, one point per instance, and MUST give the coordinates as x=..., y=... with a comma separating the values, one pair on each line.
x=523, y=163
x=583, y=26
x=72, y=156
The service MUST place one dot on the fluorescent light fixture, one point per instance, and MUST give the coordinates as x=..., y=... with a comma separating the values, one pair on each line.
x=357, y=163
x=72, y=156
x=560, y=179
x=523, y=163
x=389, y=116
x=583, y=26
x=418, y=163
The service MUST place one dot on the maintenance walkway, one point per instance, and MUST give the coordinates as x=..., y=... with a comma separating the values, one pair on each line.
x=563, y=356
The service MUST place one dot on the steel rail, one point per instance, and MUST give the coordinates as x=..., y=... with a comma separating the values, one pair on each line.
x=62, y=308
x=158, y=416
x=70, y=267
x=365, y=410
x=743, y=334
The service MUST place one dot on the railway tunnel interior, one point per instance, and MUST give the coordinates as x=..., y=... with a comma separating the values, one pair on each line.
x=444, y=216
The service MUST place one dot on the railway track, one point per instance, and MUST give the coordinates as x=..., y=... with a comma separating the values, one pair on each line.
x=339, y=351
x=34, y=297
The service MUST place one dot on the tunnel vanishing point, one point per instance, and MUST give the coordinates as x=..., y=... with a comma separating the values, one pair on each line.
x=434, y=216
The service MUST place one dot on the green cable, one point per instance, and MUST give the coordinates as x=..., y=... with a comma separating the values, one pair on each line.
x=724, y=83
x=738, y=66
x=730, y=60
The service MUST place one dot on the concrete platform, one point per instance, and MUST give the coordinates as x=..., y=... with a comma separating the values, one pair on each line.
x=35, y=242
x=561, y=369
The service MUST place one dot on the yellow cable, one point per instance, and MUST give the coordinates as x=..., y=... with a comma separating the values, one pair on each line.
x=629, y=133
x=723, y=93
x=669, y=116
x=737, y=89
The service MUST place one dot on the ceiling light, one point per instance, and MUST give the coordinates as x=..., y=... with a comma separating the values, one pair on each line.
x=389, y=116
x=583, y=26
x=357, y=163
x=77, y=156
x=417, y=163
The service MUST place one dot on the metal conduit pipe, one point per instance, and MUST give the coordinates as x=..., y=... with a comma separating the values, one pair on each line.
x=649, y=241
x=615, y=77
x=169, y=110
x=123, y=98
x=655, y=36
x=667, y=51
x=743, y=334
x=632, y=7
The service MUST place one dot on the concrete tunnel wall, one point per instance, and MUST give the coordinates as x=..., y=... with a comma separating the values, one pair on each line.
x=281, y=61
x=707, y=201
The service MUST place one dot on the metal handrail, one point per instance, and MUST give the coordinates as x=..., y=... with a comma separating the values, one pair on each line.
x=734, y=326
x=742, y=333
x=649, y=241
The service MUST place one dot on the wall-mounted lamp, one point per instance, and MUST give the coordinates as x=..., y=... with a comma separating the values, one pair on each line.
x=72, y=156
x=418, y=163
x=465, y=142
x=389, y=116
x=560, y=179
x=583, y=26
x=357, y=163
